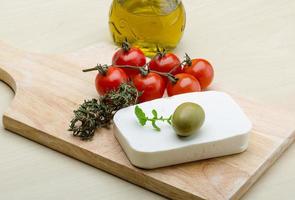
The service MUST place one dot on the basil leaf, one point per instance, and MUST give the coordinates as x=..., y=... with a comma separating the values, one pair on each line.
x=155, y=113
x=155, y=126
x=140, y=116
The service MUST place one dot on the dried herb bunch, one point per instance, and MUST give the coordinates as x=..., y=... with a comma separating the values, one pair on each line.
x=94, y=114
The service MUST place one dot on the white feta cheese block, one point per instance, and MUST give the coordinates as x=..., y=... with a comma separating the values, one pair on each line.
x=225, y=131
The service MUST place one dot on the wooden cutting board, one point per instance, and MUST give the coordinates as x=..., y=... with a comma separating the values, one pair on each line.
x=49, y=87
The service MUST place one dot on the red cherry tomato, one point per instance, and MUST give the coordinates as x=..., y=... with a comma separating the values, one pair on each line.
x=111, y=80
x=152, y=86
x=165, y=63
x=129, y=56
x=186, y=83
x=202, y=70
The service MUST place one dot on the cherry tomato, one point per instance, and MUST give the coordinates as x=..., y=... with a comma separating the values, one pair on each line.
x=202, y=70
x=111, y=80
x=129, y=56
x=165, y=63
x=186, y=83
x=152, y=86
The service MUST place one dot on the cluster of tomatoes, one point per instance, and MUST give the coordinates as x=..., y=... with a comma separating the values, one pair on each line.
x=163, y=72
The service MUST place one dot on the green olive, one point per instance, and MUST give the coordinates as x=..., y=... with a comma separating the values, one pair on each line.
x=187, y=119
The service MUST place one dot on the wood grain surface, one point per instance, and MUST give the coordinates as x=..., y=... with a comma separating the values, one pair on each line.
x=49, y=87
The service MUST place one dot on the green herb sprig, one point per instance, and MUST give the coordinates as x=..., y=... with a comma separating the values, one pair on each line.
x=143, y=119
x=94, y=114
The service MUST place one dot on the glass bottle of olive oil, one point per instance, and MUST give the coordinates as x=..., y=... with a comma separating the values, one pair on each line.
x=147, y=24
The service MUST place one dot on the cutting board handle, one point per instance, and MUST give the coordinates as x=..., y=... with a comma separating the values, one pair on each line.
x=10, y=62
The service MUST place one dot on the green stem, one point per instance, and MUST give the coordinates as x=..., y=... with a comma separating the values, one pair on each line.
x=159, y=119
x=90, y=69
x=141, y=69
x=144, y=70
x=102, y=69
x=125, y=45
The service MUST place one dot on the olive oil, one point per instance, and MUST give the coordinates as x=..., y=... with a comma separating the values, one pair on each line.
x=147, y=24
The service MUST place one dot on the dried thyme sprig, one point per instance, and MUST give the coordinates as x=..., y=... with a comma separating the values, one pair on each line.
x=94, y=114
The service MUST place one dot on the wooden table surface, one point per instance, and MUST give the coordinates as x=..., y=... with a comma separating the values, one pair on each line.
x=252, y=41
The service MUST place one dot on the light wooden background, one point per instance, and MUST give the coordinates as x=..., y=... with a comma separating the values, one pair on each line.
x=252, y=41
